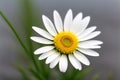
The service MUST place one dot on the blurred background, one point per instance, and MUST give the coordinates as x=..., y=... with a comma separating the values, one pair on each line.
x=104, y=13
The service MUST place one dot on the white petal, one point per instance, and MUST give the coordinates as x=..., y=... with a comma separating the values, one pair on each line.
x=63, y=63
x=76, y=24
x=90, y=43
x=41, y=40
x=81, y=58
x=55, y=62
x=87, y=32
x=84, y=24
x=90, y=36
x=89, y=47
x=42, y=33
x=49, y=25
x=43, y=49
x=46, y=54
x=89, y=52
x=58, y=21
x=76, y=64
x=68, y=20
x=52, y=57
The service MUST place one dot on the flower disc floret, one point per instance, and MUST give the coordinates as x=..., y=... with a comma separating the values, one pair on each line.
x=66, y=42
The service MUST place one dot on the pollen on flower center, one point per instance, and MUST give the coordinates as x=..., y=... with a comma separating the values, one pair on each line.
x=66, y=42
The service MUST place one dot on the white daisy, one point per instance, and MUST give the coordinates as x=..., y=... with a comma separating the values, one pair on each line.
x=69, y=40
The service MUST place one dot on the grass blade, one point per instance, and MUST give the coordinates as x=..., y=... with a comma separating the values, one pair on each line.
x=38, y=76
x=14, y=31
x=24, y=76
x=19, y=39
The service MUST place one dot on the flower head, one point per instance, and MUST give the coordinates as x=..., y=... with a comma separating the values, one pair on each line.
x=70, y=40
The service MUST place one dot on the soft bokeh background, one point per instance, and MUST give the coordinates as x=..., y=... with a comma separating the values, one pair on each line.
x=104, y=13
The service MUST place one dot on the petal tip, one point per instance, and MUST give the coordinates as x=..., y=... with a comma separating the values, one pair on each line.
x=99, y=32
x=97, y=55
x=35, y=53
x=51, y=66
x=46, y=62
x=44, y=17
x=31, y=38
x=101, y=42
x=87, y=18
x=63, y=71
x=69, y=11
x=34, y=27
x=94, y=27
x=79, y=69
x=55, y=11
x=88, y=64
x=80, y=13
x=39, y=59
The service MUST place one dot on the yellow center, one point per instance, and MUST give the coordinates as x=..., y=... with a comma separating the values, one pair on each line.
x=66, y=42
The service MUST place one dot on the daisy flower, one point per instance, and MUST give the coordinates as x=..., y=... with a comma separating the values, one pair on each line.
x=66, y=41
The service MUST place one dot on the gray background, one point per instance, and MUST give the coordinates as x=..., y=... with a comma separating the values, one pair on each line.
x=104, y=13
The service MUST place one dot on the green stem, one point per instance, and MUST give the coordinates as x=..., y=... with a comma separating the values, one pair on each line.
x=23, y=74
x=19, y=39
x=14, y=31
x=28, y=22
x=38, y=76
